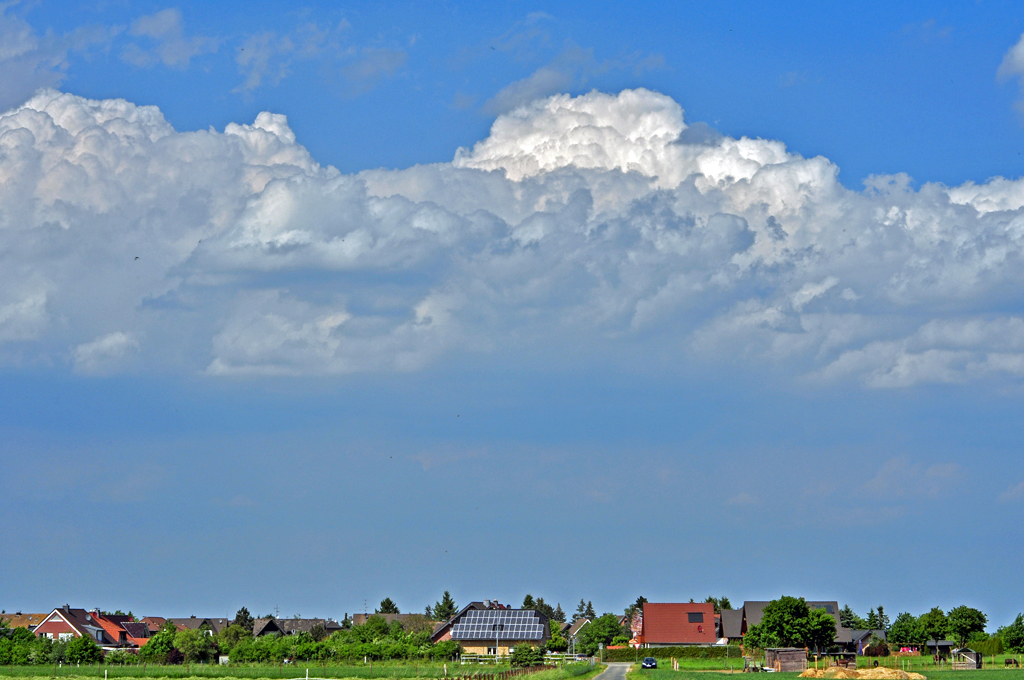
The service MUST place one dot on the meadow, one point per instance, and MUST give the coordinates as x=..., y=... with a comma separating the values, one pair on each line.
x=287, y=672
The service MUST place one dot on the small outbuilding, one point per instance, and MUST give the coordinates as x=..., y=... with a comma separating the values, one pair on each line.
x=966, y=659
x=786, y=659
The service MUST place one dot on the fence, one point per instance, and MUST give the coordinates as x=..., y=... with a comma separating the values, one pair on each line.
x=551, y=659
x=505, y=675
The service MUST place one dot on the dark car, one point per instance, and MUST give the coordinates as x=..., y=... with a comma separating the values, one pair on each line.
x=649, y=662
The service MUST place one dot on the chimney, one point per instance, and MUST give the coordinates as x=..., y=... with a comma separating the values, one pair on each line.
x=487, y=604
x=67, y=608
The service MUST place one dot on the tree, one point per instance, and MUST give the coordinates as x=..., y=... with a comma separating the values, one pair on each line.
x=228, y=638
x=636, y=608
x=557, y=642
x=962, y=621
x=528, y=602
x=905, y=630
x=1013, y=635
x=318, y=632
x=194, y=645
x=83, y=650
x=581, y=611
x=872, y=620
x=559, y=615
x=933, y=624
x=876, y=647
x=719, y=602
x=883, y=620
x=821, y=630
x=602, y=630
x=387, y=607
x=544, y=608
x=445, y=609
x=849, y=619
x=590, y=613
x=784, y=623
x=244, y=619
x=160, y=645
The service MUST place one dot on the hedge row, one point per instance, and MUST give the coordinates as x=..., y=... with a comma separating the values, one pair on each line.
x=991, y=647
x=690, y=652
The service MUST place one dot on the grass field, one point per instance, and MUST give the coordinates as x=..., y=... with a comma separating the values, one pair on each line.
x=931, y=674
x=290, y=672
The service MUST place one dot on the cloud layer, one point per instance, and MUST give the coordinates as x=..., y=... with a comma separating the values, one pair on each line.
x=582, y=230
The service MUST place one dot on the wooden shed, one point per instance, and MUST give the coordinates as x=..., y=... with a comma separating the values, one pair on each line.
x=786, y=659
x=964, y=659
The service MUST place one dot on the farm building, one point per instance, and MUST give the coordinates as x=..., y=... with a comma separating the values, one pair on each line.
x=965, y=659
x=786, y=659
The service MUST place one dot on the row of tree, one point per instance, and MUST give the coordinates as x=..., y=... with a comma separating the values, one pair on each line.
x=20, y=647
x=963, y=625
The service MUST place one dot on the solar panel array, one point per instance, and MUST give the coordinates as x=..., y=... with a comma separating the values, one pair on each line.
x=499, y=624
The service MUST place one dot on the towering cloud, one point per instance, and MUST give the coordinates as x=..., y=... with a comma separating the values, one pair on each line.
x=582, y=229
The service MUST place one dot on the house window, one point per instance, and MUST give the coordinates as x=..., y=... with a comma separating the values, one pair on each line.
x=492, y=650
x=64, y=637
x=695, y=617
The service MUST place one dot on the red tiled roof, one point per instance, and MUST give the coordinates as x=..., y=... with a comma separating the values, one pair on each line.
x=670, y=624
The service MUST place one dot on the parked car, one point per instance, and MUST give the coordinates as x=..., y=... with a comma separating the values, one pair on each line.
x=649, y=662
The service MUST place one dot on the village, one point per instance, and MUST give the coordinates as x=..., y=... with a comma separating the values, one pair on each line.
x=785, y=635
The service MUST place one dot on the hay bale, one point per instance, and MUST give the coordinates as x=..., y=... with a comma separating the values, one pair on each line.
x=810, y=673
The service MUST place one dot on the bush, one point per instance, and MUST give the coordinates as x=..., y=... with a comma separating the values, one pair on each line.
x=526, y=656
x=84, y=650
x=445, y=650
x=876, y=647
x=120, y=657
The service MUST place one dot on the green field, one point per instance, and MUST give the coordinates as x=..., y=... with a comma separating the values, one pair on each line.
x=930, y=673
x=289, y=672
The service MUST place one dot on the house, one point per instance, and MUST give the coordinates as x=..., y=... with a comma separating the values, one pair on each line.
x=574, y=630
x=19, y=620
x=138, y=632
x=107, y=630
x=732, y=625
x=442, y=631
x=494, y=630
x=296, y=626
x=154, y=623
x=942, y=648
x=753, y=612
x=668, y=624
x=213, y=625
x=261, y=627
x=859, y=639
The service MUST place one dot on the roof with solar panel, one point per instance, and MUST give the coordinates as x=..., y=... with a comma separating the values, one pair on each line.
x=494, y=622
x=500, y=624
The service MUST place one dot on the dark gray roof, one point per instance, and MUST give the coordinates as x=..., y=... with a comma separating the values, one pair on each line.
x=732, y=623
x=293, y=626
x=192, y=622
x=265, y=627
x=136, y=630
x=858, y=635
x=501, y=624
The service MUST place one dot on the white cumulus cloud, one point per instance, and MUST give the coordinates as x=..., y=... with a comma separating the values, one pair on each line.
x=599, y=228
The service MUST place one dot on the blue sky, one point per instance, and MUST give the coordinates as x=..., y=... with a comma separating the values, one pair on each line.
x=570, y=299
